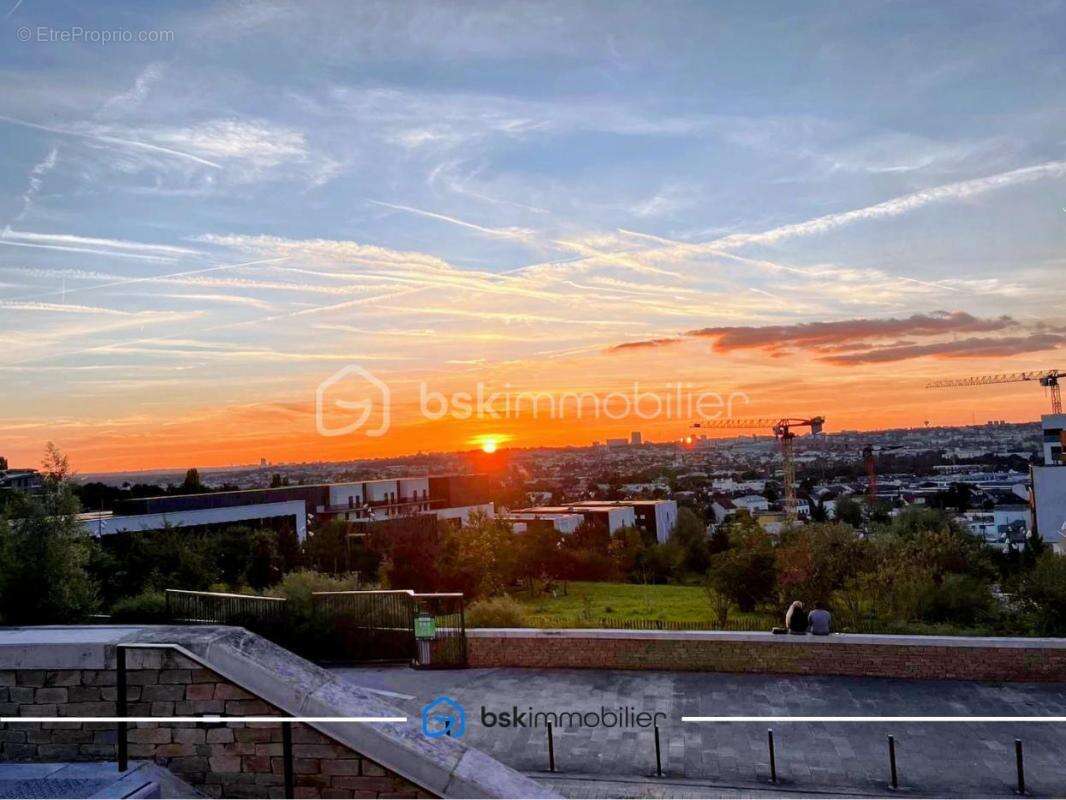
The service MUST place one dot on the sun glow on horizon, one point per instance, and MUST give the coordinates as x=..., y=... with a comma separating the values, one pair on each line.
x=489, y=442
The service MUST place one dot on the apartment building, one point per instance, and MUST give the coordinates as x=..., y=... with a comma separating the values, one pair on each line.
x=449, y=498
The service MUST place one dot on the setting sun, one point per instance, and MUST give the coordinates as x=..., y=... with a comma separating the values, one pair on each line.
x=489, y=442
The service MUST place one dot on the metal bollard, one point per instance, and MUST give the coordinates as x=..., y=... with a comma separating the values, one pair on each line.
x=773, y=756
x=551, y=750
x=658, y=754
x=892, y=761
x=1021, y=765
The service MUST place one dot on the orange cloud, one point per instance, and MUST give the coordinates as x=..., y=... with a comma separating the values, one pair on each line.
x=813, y=334
x=962, y=348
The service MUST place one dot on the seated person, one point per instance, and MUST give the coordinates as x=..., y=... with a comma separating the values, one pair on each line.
x=796, y=618
x=819, y=621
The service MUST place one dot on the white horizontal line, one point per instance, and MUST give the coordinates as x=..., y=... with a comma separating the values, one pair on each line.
x=874, y=719
x=211, y=719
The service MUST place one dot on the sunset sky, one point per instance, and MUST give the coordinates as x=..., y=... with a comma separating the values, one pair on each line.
x=821, y=206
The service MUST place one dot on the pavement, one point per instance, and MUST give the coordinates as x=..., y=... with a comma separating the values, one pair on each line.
x=89, y=781
x=731, y=759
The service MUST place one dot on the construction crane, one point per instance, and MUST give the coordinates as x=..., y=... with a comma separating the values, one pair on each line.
x=1049, y=379
x=782, y=430
x=869, y=459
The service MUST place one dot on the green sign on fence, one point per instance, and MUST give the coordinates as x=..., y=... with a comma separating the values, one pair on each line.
x=425, y=627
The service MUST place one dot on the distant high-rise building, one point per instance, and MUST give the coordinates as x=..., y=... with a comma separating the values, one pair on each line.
x=635, y=438
x=264, y=463
x=617, y=442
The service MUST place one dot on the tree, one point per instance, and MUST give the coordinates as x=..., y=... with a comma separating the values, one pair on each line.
x=625, y=549
x=849, y=511
x=479, y=559
x=264, y=562
x=1043, y=593
x=817, y=559
x=537, y=555
x=55, y=466
x=44, y=551
x=660, y=562
x=326, y=549
x=720, y=604
x=746, y=573
x=191, y=484
x=690, y=535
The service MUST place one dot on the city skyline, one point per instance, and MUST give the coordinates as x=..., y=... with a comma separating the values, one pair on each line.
x=816, y=211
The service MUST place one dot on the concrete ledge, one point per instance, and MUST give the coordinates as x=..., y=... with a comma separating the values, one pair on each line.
x=923, y=657
x=443, y=767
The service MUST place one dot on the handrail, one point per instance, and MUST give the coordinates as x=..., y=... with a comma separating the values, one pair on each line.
x=226, y=594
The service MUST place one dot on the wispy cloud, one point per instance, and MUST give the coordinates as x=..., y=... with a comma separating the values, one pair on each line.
x=961, y=190
x=34, y=181
x=102, y=137
x=519, y=234
x=99, y=245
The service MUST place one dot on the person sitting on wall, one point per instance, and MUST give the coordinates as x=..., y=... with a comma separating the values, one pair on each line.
x=819, y=621
x=796, y=618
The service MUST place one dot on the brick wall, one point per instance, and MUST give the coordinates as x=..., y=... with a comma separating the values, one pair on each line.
x=768, y=654
x=236, y=760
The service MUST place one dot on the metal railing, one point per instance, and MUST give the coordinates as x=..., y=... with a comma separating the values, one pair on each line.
x=629, y=624
x=379, y=625
x=224, y=609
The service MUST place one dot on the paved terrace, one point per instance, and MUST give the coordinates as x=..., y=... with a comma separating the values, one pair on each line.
x=730, y=760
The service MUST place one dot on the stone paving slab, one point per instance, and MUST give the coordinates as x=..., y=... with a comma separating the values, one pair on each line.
x=935, y=759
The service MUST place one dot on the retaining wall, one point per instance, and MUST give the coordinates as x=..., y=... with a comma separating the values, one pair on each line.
x=917, y=657
x=192, y=671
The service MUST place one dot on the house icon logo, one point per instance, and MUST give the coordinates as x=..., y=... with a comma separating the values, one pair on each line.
x=443, y=717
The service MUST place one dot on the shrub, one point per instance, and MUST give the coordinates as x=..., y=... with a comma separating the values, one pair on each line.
x=148, y=606
x=496, y=612
x=1043, y=594
x=959, y=599
x=297, y=587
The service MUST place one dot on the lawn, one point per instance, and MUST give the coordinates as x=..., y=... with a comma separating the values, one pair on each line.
x=586, y=602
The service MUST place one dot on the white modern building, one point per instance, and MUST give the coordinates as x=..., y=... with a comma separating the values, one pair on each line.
x=450, y=498
x=1001, y=525
x=523, y=521
x=1048, y=485
x=1049, y=505
x=1054, y=434
x=656, y=517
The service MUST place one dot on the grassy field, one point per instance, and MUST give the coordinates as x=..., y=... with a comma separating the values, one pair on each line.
x=586, y=602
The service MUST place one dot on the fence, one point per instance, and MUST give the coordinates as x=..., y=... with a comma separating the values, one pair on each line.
x=747, y=623
x=380, y=626
x=249, y=611
x=342, y=627
x=368, y=625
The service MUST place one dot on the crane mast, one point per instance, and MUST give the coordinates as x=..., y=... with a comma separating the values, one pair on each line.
x=782, y=430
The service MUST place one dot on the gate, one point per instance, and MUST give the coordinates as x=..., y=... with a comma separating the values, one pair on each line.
x=369, y=626
x=440, y=631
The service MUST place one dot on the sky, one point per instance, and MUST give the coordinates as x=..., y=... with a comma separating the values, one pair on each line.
x=225, y=226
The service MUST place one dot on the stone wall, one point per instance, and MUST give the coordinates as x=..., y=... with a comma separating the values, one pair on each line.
x=219, y=759
x=917, y=657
